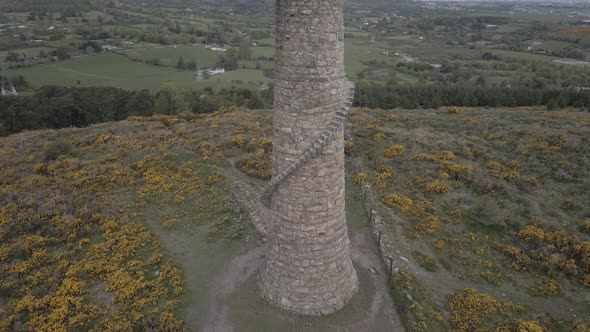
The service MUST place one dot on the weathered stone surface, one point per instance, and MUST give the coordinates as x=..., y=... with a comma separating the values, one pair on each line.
x=308, y=268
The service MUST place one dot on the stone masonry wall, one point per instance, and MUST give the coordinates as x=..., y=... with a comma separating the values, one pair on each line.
x=380, y=229
x=308, y=269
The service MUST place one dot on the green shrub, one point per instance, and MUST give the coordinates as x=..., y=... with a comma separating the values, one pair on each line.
x=58, y=148
x=427, y=262
x=257, y=167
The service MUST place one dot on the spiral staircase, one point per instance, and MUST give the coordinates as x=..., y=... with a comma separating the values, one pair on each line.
x=317, y=147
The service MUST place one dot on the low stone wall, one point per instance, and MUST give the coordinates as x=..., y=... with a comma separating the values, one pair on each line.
x=390, y=256
x=380, y=231
x=249, y=199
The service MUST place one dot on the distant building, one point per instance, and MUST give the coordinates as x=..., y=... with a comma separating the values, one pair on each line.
x=216, y=71
x=215, y=48
x=108, y=47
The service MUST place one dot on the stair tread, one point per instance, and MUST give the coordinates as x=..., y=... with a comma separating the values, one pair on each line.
x=316, y=148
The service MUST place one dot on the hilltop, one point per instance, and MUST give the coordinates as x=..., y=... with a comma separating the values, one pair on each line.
x=141, y=222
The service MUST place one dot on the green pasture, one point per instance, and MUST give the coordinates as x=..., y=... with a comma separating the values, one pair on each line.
x=553, y=45
x=357, y=51
x=169, y=55
x=251, y=64
x=94, y=14
x=263, y=51
x=431, y=52
x=522, y=55
x=510, y=27
x=405, y=78
x=30, y=51
x=116, y=70
x=16, y=16
x=104, y=70
x=246, y=76
x=267, y=41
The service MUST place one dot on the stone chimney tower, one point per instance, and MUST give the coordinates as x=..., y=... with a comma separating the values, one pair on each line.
x=308, y=269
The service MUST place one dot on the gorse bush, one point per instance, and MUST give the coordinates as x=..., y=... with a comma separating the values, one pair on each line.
x=393, y=151
x=254, y=166
x=437, y=187
x=401, y=202
x=545, y=287
x=360, y=178
x=524, y=326
x=58, y=148
x=471, y=309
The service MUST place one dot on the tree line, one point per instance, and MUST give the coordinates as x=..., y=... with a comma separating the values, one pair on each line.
x=59, y=107
x=49, y=5
x=390, y=95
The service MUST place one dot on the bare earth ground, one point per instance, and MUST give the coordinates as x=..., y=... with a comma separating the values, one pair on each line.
x=221, y=290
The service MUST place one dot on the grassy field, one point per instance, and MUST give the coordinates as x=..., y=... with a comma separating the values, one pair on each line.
x=263, y=51
x=30, y=51
x=104, y=70
x=357, y=51
x=246, y=76
x=252, y=64
x=116, y=70
x=169, y=55
x=111, y=69
x=491, y=200
x=524, y=55
x=421, y=37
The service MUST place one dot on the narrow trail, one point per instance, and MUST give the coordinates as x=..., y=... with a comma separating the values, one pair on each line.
x=364, y=255
x=378, y=314
x=235, y=273
x=202, y=262
x=214, y=272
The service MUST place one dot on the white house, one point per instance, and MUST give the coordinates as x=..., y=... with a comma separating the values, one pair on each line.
x=216, y=71
x=215, y=48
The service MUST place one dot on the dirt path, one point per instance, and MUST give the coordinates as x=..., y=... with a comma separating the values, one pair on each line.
x=221, y=292
x=204, y=262
x=239, y=308
x=234, y=275
x=363, y=251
